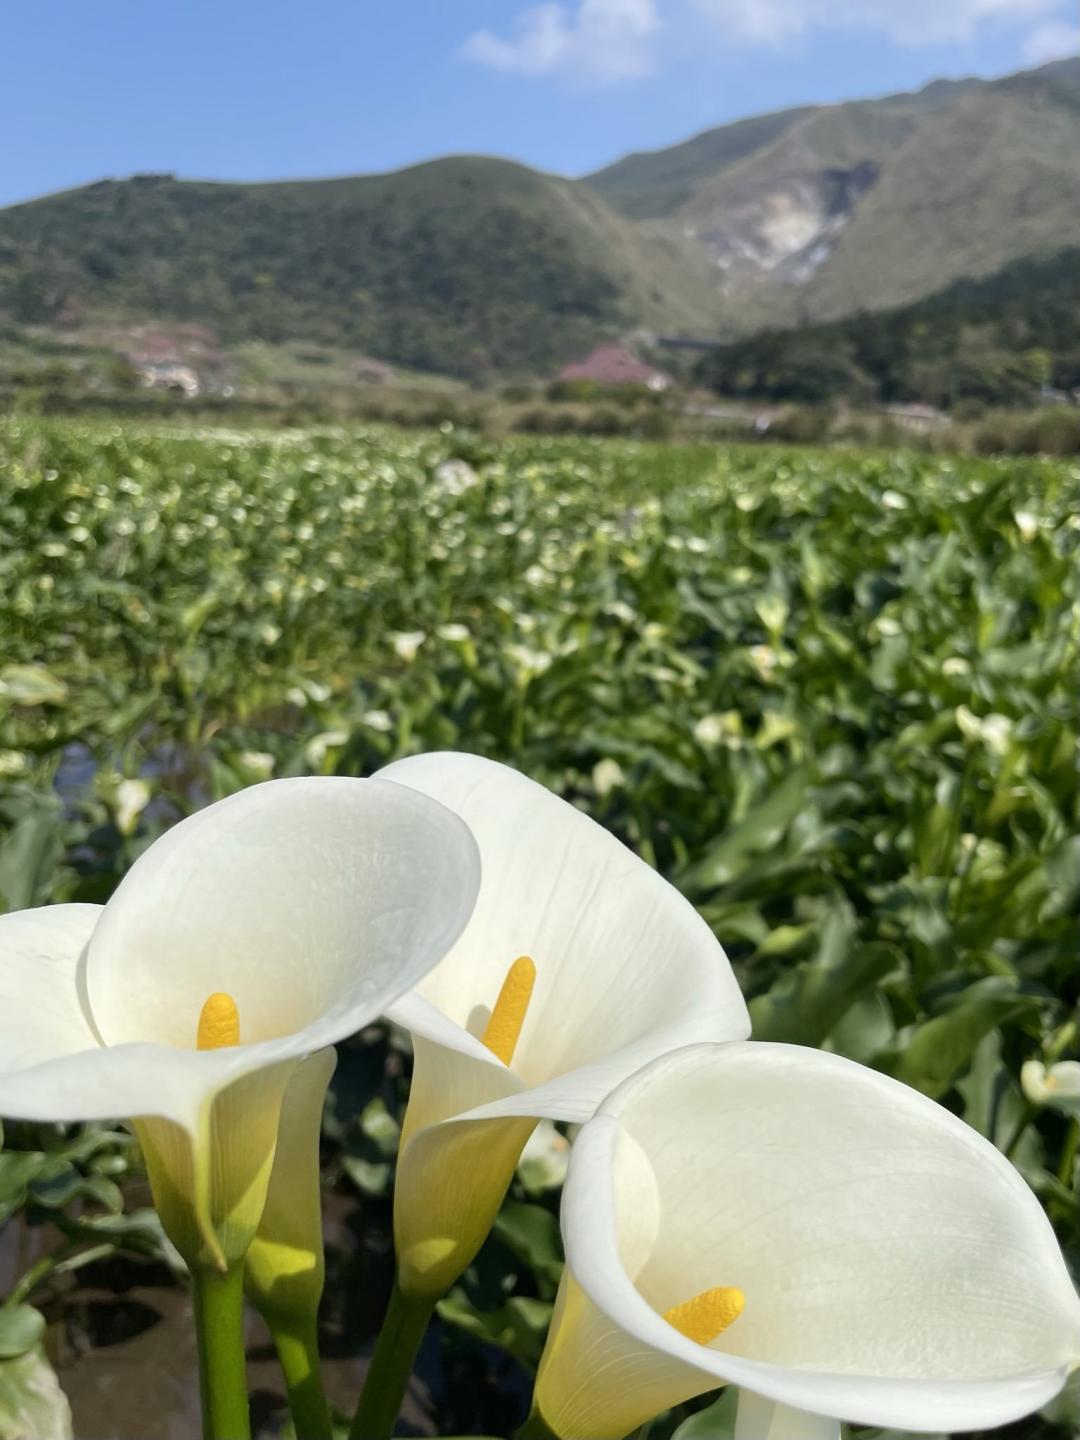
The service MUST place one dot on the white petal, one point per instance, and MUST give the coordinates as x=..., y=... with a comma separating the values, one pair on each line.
x=761, y=1419
x=41, y=1014
x=210, y=1180
x=284, y=1269
x=897, y=1270
x=626, y=968
x=452, y=1176
x=313, y=902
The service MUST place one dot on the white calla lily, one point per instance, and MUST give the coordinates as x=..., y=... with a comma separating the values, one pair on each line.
x=821, y=1236
x=622, y=970
x=304, y=907
x=1057, y=1085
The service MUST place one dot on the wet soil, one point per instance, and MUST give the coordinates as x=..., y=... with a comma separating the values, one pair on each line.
x=122, y=1340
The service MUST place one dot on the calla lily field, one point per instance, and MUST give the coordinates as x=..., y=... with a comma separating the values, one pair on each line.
x=550, y=939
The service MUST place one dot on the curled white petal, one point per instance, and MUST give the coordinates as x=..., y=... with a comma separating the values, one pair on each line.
x=315, y=903
x=896, y=1268
x=626, y=968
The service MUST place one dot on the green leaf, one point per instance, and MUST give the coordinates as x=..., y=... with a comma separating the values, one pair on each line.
x=936, y=1052
x=29, y=856
x=31, y=685
x=532, y=1233
x=32, y=1405
x=21, y=1328
x=804, y=1005
x=716, y=1422
x=762, y=828
x=518, y=1327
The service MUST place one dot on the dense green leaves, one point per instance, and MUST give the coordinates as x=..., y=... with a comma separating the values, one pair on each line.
x=833, y=696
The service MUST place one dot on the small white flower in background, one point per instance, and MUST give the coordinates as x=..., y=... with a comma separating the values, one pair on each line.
x=893, y=500
x=723, y=727
x=1027, y=524
x=454, y=477
x=764, y=659
x=13, y=762
x=380, y=720
x=607, y=775
x=1058, y=1087
x=132, y=798
x=545, y=1159
x=407, y=642
x=529, y=663
x=994, y=731
x=315, y=751
x=269, y=634
x=619, y=610
x=455, y=633
x=258, y=764
x=956, y=665
x=887, y=626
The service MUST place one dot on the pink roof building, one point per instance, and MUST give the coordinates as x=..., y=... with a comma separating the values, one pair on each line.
x=615, y=365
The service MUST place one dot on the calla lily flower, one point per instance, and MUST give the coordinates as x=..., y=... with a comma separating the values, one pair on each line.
x=833, y=1243
x=579, y=965
x=252, y=934
x=1057, y=1086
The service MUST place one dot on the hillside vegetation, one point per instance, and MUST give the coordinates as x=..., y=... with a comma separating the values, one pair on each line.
x=455, y=266
x=469, y=266
x=998, y=341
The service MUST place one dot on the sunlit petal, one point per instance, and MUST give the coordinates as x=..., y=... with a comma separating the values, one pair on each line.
x=896, y=1268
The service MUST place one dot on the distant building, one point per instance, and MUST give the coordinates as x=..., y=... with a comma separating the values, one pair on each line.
x=919, y=419
x=169, y=376
x=615, y=365
x=373, y=372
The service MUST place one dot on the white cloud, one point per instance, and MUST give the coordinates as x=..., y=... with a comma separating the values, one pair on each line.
x=1053, y=40
x=605, y=40
x=906, y=22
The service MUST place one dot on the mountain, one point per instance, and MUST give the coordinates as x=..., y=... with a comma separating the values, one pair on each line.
x=468, y=265
x=1005, y=340
x=456, y=266
x=824, y=211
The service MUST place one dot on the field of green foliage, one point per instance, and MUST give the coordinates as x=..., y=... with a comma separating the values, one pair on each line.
x=833, y=696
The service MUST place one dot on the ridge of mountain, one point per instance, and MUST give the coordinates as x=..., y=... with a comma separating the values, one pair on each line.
x=468, y=264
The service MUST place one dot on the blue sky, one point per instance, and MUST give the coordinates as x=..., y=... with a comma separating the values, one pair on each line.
x=258, y=89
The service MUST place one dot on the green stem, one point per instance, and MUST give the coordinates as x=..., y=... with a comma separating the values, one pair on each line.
x=219, y=1329
x=1026, y=1116
x=391, y=1366
x=1068, y=1154
x=297, y=1343
x=536, y=1428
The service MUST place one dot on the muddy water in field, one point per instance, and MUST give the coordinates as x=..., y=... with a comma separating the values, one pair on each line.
x=122, y=1340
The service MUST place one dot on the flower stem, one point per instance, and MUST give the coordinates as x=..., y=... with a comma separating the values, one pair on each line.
x=1027, y=1114
x=1068, y=1154
x=391, y=1365
x=219, y=1328
x=297, y=1345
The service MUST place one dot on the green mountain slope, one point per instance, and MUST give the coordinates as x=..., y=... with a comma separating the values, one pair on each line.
x=998, y=340
x=828, y=210
x=456, y=266
x=471, y=265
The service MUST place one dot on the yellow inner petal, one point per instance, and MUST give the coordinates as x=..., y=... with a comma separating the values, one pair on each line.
x=707, y=1315
x=219, y=1023
x=508, y=1013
